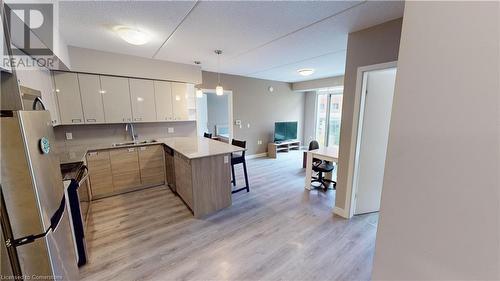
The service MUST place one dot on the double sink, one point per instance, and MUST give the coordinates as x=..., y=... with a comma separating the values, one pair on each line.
x=133, y=143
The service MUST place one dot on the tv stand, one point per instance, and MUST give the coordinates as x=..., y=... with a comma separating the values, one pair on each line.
x=284, y=146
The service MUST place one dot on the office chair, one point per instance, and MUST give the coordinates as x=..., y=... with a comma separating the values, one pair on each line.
x=239, y=159
x=312, y=146
x=320, y=167
x=207, y=135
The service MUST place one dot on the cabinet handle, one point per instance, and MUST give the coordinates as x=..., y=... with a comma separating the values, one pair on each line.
x=138, y=119
x=91, y=120
x=76, y=120
x=131, y=149
x=92, y=154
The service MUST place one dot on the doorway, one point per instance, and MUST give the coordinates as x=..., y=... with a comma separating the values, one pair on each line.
x=215, y=114
x=375, y=108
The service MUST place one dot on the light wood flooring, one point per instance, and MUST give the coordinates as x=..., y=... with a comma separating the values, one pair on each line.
x=278, y=231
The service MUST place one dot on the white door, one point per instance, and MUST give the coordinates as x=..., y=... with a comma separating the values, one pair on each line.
x=68, y=97
x=116, y=99
x=163, y=100
x=142, y=95
x=90, y=89
x=374, y=130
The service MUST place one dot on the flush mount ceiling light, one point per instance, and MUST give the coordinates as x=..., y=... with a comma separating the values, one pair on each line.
x=132, y=35
x=305, y=71
x=218, y=90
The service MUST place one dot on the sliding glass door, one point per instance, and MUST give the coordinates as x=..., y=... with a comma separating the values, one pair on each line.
x=328, y=117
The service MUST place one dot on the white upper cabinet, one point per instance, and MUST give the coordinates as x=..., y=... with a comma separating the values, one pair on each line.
x=183, y=102
x=41, y=79
x=142, y=95
x=90, y=90
x=68, y=97
x=163, y=100
x=116, y=99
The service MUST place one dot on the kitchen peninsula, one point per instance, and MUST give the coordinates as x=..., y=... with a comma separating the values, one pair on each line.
x=196, y=168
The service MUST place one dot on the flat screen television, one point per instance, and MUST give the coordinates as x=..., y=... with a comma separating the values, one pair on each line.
x=284, y=131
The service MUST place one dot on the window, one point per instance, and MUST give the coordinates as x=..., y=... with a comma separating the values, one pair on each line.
x=328, y=116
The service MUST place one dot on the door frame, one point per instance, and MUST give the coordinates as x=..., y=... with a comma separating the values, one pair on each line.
x=229, y=94
x=359, y=103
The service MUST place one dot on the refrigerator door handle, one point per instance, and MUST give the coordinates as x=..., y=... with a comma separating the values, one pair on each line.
x=54, y=222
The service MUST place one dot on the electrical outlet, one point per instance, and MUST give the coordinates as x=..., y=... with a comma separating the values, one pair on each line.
x=226, y=159
x=259, y=142
x=69, y=136
x=170, y=130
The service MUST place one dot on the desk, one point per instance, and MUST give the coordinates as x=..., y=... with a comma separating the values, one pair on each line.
x=330, y=153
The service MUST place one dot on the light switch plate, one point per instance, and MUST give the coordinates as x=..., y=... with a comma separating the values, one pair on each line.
x=69, y=136
x=259, y=142
x=170, y=130
x=248, y=125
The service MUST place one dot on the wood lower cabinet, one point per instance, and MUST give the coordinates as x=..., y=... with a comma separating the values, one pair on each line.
x=183, y=179
x=125, y=168
x=119, y=170
x=151, y=163
x=203, y=183
x=101, y=179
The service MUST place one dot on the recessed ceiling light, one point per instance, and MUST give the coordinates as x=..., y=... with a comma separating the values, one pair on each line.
x=132, y=35
x=305, y=71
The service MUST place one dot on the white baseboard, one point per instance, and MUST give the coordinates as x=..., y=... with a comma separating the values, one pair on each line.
x=256, y=155
x=341, y=212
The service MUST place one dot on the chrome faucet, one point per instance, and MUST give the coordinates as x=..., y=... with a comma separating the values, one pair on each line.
x=130, y=128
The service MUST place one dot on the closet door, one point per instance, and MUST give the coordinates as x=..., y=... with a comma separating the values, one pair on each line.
x=68, y=97
x=90, y=89
x=116, y=99
x=142, y=95
x=163, y=100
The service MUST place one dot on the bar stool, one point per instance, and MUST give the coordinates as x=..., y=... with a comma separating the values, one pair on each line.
x=239, y=159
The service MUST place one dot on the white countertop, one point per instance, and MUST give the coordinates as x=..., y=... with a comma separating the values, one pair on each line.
x=198, y=147
x=190, y=147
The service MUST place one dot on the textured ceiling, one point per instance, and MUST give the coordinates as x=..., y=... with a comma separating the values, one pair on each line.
x=268, y=40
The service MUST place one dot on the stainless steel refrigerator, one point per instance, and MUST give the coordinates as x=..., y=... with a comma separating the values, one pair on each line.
x=36, y=235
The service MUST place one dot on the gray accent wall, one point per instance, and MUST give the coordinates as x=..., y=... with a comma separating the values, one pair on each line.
x=374, y=45
x=258, y=108
x=309, y=116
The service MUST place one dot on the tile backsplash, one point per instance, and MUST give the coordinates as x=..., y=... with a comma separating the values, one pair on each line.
x=111, y=133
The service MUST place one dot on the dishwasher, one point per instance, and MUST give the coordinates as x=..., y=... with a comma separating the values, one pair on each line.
x=77, y=189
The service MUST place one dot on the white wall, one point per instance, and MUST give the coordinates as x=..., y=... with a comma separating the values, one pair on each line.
x=217, y=111
x=93, y=61
x=318, y=84
x=440, y=215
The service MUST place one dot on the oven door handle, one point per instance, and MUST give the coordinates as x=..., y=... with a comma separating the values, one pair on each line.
x=82, y=174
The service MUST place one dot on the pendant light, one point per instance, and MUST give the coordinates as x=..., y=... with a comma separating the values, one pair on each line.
x=218, y=90
x=199, y=93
